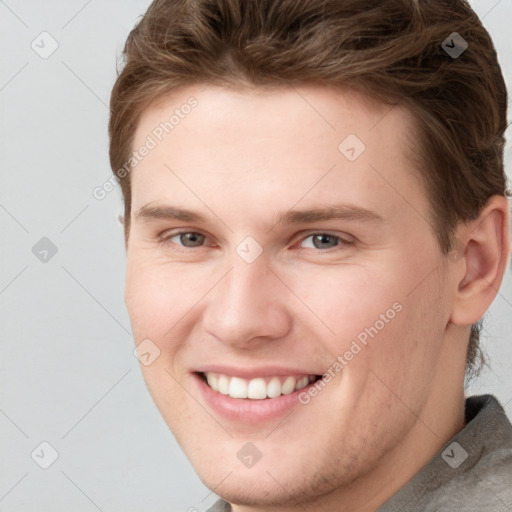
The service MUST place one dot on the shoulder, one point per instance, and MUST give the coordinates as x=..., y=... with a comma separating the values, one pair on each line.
x=471, y=473
x=482, y=477
x=220, y=506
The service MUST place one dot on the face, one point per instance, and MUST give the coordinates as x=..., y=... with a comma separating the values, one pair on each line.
x=278, y=236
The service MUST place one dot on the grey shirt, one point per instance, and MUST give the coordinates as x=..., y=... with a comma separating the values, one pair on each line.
x=471, y=473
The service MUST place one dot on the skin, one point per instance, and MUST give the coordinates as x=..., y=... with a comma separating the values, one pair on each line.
x=241, y=157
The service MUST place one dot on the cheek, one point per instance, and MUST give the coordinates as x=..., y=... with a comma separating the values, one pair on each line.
x=156, y=302
x=378, y=314
x=406, y=351
x=349, y=300
x=157, y=296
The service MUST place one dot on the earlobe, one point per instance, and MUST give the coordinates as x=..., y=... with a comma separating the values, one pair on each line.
x=484, y=248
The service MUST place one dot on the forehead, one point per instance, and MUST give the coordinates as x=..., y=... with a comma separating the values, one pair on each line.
x=311, y=142
x=268, y=110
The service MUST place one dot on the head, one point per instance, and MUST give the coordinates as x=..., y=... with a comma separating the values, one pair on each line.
x=255, y=113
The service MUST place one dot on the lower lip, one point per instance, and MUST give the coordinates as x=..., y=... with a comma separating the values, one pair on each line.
x=248, y=410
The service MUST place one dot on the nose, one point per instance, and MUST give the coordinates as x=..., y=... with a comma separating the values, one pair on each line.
x=248, y=306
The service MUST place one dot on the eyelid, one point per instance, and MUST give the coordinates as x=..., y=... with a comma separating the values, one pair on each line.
x=164, y=237
x=344, y=238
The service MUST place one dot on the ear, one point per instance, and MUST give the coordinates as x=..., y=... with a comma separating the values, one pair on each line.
x=120, y=219
x=484, y=249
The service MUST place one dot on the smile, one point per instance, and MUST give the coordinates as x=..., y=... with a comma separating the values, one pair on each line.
x=258, y=388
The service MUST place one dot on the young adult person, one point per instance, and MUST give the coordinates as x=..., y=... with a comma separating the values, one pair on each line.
x=316, y=221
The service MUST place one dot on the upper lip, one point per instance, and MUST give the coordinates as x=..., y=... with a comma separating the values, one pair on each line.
x=253, y=372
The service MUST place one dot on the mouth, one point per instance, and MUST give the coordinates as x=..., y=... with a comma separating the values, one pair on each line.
x=259, y=388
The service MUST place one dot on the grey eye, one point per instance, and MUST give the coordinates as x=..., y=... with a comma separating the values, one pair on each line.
x=323, y=240
x=191, y=239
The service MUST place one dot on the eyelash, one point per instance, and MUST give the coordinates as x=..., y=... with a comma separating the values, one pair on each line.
x=164, y=239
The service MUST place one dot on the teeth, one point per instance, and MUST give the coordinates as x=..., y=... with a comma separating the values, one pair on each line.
x=237, y=388
x=213, y=381
x=258, y=388
x=274, y=388
x=302, y=383
x=288, y=385
x=223, y=384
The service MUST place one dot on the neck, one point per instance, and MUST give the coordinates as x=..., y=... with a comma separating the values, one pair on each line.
x=440, y=418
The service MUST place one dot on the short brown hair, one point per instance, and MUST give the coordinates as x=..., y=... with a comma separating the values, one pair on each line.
x=395, y=51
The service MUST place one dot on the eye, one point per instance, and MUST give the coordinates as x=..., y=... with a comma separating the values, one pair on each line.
x=186, y=238
x=325, y=241
x=192, y=239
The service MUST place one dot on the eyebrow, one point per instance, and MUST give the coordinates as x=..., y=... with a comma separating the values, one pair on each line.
x=344, y=212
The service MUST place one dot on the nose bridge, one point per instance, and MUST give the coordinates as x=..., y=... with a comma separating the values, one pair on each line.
x=246, y=304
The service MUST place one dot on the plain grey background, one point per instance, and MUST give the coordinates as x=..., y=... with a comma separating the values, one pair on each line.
x=68, y=376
